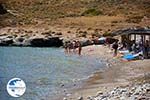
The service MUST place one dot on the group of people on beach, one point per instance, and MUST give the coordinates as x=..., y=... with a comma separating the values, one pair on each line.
x=73, y=47
x=136, y=47
x=132, y=46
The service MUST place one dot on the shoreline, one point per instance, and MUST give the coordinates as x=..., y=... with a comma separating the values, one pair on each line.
x=117, y=73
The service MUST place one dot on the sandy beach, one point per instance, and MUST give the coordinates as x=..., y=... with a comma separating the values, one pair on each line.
x=117, y=73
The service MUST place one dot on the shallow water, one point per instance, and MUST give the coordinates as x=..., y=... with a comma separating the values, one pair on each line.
x=43, y=70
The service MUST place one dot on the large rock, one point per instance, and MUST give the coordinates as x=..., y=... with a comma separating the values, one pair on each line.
x=6, y=40
x=19, y=41
x=46, y=42
x=35, y=41
x=85, y=42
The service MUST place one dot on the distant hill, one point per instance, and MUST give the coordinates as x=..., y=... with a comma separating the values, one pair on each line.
x=24, y=11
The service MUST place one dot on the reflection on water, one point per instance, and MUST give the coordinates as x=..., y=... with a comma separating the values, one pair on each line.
x=42, y=69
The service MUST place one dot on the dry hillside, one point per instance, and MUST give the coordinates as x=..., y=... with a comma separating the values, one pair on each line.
x=110, y=14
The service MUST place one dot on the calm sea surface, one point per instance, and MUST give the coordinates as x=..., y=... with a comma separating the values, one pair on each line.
x=44, y=70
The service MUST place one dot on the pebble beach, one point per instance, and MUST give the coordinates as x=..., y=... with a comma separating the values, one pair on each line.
x=119, y=80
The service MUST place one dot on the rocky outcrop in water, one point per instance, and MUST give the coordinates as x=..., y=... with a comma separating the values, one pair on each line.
x=46, y=42
x=6, y=41
x=25, y=38
x=35, y=38
x=33, y=42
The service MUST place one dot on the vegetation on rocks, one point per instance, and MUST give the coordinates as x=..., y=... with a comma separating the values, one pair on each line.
x=91, y=12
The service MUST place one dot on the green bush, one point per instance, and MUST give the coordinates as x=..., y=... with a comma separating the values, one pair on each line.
x=107, y=34
x=81, y=34
x=134, y=19
x=91, y=12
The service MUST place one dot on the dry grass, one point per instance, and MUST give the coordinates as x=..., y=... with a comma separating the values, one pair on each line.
x=100, y=23
x=108, y=15
x=63, y=8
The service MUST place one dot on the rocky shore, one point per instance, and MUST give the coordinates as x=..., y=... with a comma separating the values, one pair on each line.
x=38, y=37
x=22, y=37
x=131, y=92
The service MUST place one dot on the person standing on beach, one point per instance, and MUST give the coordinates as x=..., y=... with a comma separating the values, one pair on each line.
x=79, y=48
x=115, y=48
x=69, y=47
x=74, y=46
x=146, y=46
x=66, y=47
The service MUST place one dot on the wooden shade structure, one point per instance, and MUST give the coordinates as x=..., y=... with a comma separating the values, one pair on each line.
x=132, y=33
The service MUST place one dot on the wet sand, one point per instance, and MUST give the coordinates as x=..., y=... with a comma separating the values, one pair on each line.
x=116, y=73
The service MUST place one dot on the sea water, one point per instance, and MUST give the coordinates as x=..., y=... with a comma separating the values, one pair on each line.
x=43, y=70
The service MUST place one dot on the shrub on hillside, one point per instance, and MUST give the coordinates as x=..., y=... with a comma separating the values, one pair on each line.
x=134, y=19
x=82, y=34
x=91, y=12
x=107, y=34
